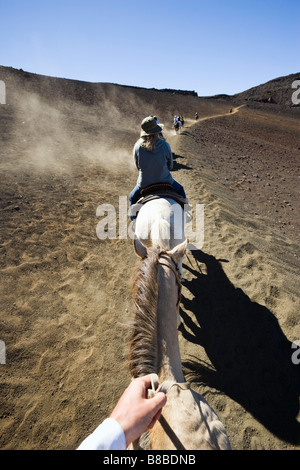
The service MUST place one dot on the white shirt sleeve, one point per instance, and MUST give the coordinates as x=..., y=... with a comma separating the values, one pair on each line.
x=108, y=436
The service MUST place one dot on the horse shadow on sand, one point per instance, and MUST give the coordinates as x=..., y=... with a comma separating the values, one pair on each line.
x=251, y=357
x=179, y=166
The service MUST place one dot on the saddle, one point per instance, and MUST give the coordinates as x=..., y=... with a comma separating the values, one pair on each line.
x=161, y=190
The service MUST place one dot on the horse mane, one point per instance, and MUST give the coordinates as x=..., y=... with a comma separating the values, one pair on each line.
x=143, y=341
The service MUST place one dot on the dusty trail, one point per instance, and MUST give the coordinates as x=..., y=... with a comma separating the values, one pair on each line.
x=65, y=149
x=214, y=116
x=192, y=122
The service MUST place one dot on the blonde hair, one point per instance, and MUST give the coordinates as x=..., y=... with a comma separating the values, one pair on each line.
x=149, y=141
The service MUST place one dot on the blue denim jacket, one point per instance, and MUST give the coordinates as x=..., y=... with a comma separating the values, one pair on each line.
x=154, y=166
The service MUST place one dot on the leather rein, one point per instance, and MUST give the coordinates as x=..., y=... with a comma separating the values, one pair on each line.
x=164, y=386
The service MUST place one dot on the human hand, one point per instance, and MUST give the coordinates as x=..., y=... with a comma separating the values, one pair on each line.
x=135, y=412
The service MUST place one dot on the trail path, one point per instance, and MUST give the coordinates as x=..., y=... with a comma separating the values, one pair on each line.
x=233, y=111
x=213, y=116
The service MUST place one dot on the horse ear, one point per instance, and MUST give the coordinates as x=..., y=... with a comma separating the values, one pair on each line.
x=178, y=251
x=139, y=248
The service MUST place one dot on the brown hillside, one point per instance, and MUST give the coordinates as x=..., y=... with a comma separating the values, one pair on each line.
x=278, y=91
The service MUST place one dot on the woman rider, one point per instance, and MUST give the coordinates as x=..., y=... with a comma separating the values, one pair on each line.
x=154, y=160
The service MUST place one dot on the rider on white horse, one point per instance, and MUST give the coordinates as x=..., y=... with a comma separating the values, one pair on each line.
x=154, y=160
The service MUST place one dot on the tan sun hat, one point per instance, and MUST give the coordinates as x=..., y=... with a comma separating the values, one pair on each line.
x=149, y=126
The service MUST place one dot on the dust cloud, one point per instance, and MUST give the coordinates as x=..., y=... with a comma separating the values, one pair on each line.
x=59, y=138
x=61, y=126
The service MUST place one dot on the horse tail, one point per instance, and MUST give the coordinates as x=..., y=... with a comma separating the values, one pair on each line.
x=160, y=234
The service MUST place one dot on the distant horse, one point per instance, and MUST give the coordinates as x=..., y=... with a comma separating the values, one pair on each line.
x=187, y=421
x=177, y=126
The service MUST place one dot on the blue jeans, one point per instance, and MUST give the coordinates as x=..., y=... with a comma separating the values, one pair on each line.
x=135, y=194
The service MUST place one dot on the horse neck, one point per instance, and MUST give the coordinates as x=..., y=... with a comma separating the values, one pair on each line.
x=168, y=351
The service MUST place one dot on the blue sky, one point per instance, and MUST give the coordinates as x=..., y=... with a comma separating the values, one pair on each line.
x=210, y=46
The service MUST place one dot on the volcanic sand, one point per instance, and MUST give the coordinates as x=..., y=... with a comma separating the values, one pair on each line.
x=65, y=293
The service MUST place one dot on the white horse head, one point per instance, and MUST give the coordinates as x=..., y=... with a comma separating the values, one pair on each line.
x=160, y=224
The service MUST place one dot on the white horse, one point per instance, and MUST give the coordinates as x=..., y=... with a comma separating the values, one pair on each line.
x=187, y=421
